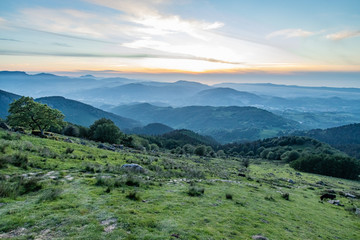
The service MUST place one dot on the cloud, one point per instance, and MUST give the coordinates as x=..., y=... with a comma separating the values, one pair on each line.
x=343, y=35
x=134, y=56
x=61, y=44
x=9, y=39
x=290, y=33
x=145, y=14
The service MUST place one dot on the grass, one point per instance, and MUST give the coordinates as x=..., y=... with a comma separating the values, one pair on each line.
x=83, y=195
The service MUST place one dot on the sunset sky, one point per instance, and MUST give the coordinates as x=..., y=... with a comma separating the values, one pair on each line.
x=180, y=38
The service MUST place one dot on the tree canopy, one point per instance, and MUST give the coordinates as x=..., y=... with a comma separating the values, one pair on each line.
x=27, y=113
x=105, y=130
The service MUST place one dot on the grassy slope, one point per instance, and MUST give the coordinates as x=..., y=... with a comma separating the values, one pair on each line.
x=165, y=208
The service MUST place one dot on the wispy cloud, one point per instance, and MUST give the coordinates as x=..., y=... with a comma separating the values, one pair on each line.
x=290, y=33
x=343, y=35
x=153, y=22
x=61, y=44
x=93, y=55
x=9, y=39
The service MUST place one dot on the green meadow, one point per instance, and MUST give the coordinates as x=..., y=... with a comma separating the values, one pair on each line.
x=58, y=188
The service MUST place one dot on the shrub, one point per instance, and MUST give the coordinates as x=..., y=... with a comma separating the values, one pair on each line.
x=3, y=146
x=8, y=189
x=19, y=160
x=29, y=185
x=245, y=162
x=269, y=198
x=69, y=150
x=50, y=194
x=104, y=181
x=18, y=186
x=132, y=181
x=285, y=196
x=11, y=136
x=72, y=131
x=200, y=150
x=195, y=191
x=229, y=196
x=134, y=195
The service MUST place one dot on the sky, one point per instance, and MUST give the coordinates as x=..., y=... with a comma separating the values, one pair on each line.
x=205, y=40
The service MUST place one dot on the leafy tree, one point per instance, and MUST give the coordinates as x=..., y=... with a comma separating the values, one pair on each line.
x=200, y=150
x=27, y=113
x=104, y=130
x=71, y=130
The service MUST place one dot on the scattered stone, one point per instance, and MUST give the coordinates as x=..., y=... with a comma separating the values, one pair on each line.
x=109, y=221
x=259, y=237
x=69, y=178
x=133, y=167
x=357, y=211
x=103, y=146
x=348, y=195
x=5, y=126
x=264, y=221
x=68, y=140
x=291, y=181
x=14, y=233
x=2, y=204
x=321, y=183
x=335, y=202
x=110, y=228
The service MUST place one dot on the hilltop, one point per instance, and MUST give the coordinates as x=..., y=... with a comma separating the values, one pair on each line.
x=54, y=188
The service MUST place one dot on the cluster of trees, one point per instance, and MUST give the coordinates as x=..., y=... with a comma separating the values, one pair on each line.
x=330, y=165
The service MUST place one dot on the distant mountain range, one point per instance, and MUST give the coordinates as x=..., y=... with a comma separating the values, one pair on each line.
x=311, y=107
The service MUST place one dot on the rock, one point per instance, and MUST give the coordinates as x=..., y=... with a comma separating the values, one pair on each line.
x=335, y=202
x=241, y=175
x=68, y=140
x=133, y=167
x=103, y=146
x=291, y=181
x=321, y=183
x=357, y=211
x=2, y=204
x=259, y=237
x=298, y=174
x=5, y=126
x=348, y=195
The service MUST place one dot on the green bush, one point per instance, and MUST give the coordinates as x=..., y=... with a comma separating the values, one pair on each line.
x=195, y=191
x=18, y=159
x=134, y=195
x=69, y=150
x=285, y=196
x=50, y=194
x=229, y=196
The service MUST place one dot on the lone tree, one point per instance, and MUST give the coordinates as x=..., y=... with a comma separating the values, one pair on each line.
x=104, y=130
x=27, y=113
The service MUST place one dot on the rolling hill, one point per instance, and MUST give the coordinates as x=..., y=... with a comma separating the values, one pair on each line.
x=345, y=138
x=5, y=99
x=84, y=114
x=152, y=129
x=212, y=121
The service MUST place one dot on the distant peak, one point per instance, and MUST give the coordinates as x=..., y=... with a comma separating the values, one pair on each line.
x=45, y=74
x=13, y=73
x=87, y=76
